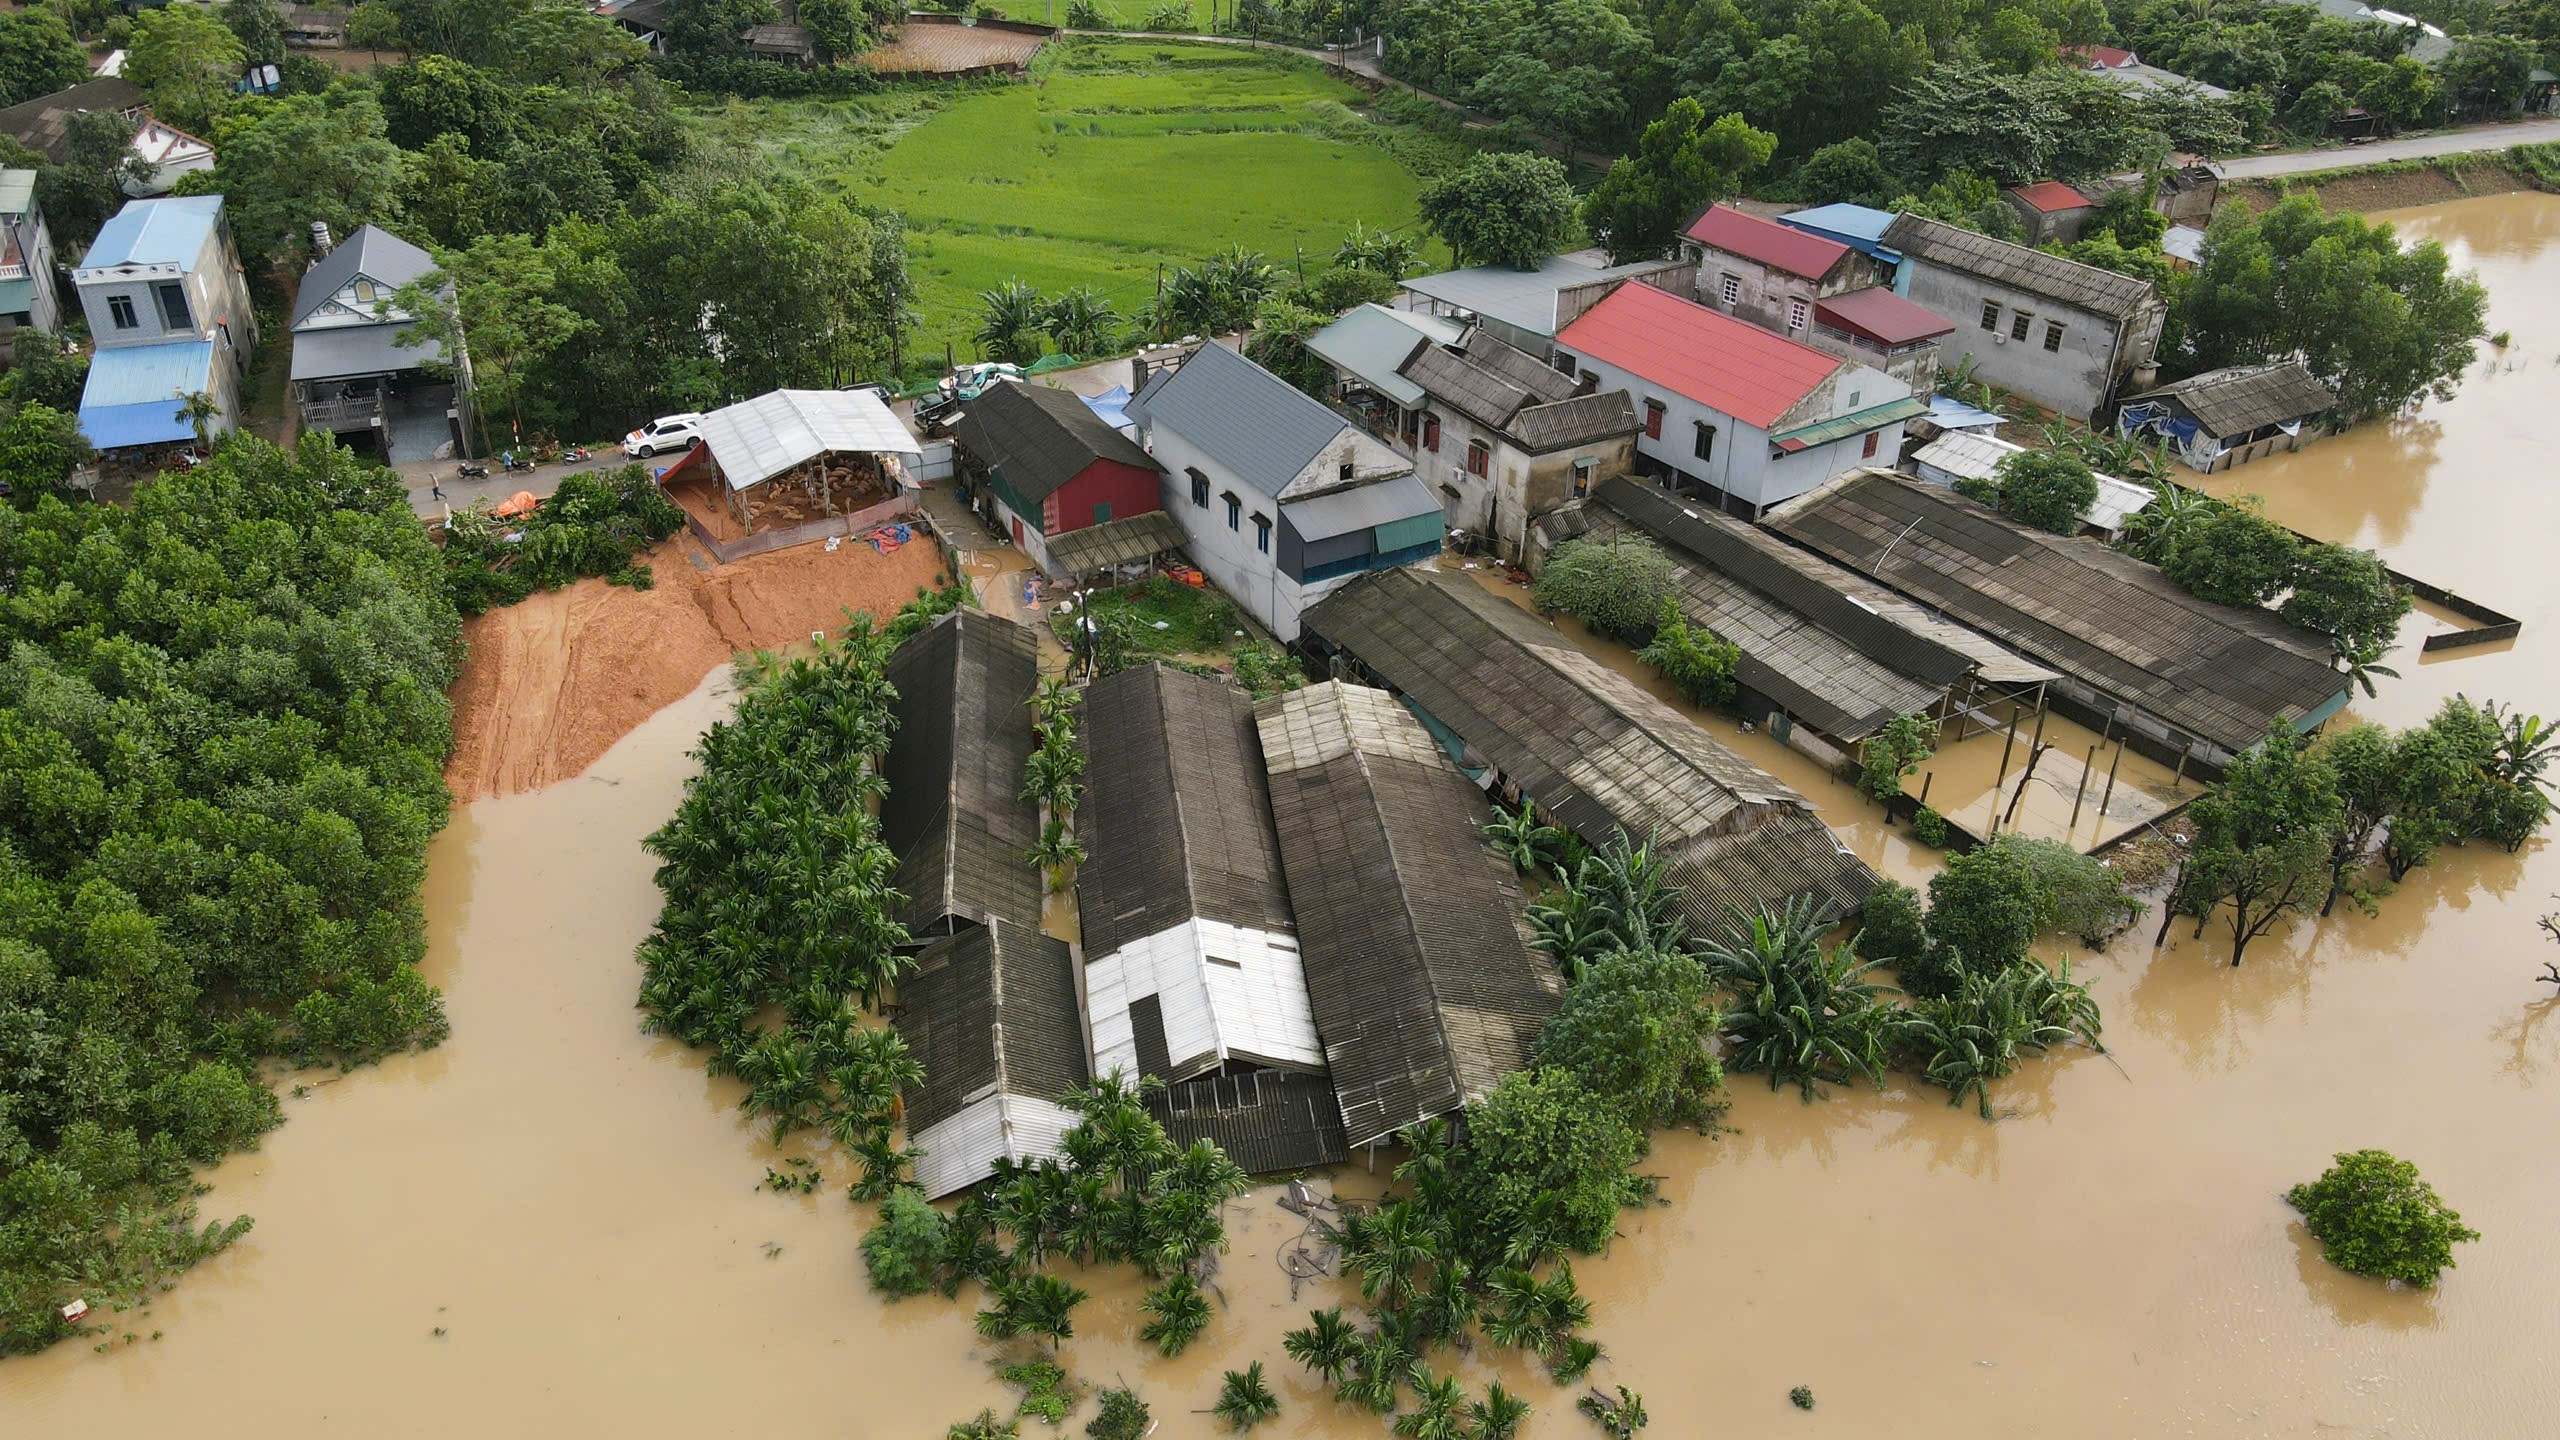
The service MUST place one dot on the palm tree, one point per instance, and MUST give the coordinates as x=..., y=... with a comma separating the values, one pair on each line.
x=1387, y=1249
x=1498, y=1415
x=1081, y=321
x=1010, y=323
x=1326, y=1344
x=199, y=409
x=1045, y=1306
x=1176, y=1313
x=1244, y=1400
x=1056, y=851
x=1440, y=1409
x=1378, y=250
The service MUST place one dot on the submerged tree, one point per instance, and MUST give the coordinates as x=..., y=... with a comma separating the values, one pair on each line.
x=1804, y=1014
x=2264, y=843
x=2373, y=1215
x=1245, y=1399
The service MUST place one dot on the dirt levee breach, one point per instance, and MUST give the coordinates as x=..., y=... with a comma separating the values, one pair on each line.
x=551, y=683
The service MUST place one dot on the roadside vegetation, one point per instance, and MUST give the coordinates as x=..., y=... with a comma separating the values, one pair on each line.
x=591, y=525
x=222, y=725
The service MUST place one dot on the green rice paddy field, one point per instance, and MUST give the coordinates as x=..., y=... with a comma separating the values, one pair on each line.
x=1117, y=156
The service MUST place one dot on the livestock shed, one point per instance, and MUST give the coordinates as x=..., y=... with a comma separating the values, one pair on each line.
x=2191, y=677
x=990, y=1013
x=1425, y=996
x=1191, y=963
x=954, y=813
x=2230, y=417
x=1823, y=649
x=1518, y=702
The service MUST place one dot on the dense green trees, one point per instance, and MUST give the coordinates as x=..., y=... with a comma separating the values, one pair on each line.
x=186, y=60
x=37, y=56
x=1617, y=586
x=222, y=725
x=1697, y=662
x=2049, y=489
x=1890, y=755
x=1501, y=209
x=1680, y=163
x=2374, y=1215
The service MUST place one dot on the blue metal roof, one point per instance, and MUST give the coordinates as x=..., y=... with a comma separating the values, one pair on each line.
x=134, y=393
x=167, y=231
x=1845, y=223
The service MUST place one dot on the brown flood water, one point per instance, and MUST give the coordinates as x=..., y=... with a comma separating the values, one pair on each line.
x=575, y=1203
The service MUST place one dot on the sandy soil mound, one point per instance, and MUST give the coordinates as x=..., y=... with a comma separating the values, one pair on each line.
x=551, y=683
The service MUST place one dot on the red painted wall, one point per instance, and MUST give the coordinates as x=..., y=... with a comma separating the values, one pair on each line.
x=1126, y=488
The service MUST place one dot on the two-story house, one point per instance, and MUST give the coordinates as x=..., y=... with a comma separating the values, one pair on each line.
x=169, y=315
x=1730, y=411
x=2065, y=335
x=351, y=374
x=1767, y=273
x=1502, y=437
x=27, y=299
x=1280, y=499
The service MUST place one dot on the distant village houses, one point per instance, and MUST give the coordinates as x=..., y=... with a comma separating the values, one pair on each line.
x=165, y=152
x=28, y=300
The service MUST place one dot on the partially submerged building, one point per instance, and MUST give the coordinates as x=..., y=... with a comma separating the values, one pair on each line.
x=2066, y=335
x=1828, y=657
x=1424, y=994
x=990, y=1009
x=2232, y=416
x=2135, y=652
x=1525, y=711
x=1192, y=972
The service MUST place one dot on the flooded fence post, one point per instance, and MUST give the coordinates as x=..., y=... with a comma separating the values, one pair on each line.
x=1925, y=778
x=2111, y=781
x=2081, y=790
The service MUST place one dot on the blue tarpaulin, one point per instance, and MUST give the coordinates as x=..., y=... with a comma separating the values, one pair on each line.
x=135, y=392
x=1111, y=405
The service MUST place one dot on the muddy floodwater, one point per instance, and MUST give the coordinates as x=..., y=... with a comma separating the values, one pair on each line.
x=552, y=1223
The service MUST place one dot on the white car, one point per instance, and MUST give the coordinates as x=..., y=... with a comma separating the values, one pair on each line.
x=667, y=432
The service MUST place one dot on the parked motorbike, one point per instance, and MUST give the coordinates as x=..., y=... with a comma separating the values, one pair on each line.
x=513, y=461
x=576, y=453
x=475, y=472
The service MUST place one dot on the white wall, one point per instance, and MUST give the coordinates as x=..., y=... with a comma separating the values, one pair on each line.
x=1741, y=466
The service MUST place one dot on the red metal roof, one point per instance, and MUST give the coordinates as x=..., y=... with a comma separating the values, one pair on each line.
x=2105, y=57
x=2050, y=196
x=1716, y=360
x=1882, y=316
x=1767, y=241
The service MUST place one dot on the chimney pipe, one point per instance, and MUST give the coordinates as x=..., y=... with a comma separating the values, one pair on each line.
x=320, y=241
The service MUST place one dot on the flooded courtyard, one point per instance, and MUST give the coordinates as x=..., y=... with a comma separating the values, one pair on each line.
x=554, y=1222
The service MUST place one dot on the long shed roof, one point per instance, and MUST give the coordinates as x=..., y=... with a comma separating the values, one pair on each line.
x=755, y=440
x=954, y=813
x=2244, y=397
x=1592, y=747
x=991, y=1015
x=2037, y=272
x=1424, y=994
x=2215, y=671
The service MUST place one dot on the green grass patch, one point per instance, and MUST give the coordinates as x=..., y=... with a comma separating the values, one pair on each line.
x=1126, y=14
x=1123, y=156
x=1194, y=620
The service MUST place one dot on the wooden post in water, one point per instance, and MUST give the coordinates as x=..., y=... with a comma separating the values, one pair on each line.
x=2111, y=781
x=2179, y=774
x=2082, y=789
x=1925, y=778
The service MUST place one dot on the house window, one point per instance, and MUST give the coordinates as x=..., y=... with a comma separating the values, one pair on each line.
x=1199, y=488
x=1262, y=533
x=1479, y=458
x=1991, y=315
x=1102, y=513
x=2053, y=335
x=1563, y=364
x=174, y=314
x=1431, y=433
x=1798, y=311
x=1581, y=478
x=1869, y=452
x=2018, y=325
x=1235, y=512
x=1653, y=419
x=1704, y=446
x=120, y=311
x=1346, y=471
x=364, y=292
x=1731, y=289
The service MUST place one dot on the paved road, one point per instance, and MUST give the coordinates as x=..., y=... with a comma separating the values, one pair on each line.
x=425, y=477
x=2383, y=152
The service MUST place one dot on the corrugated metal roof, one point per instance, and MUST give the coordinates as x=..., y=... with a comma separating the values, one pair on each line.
x=355, y=350
x=2100, y=292
x=1966, y=455
x=1788, y=248
x=1039, y=437
x=1856, y=422
x=1522, y=298
x=1718, y=361
x=1595, y=750
x=1361, y=507
x=1578, y=421
x=1882, y=316
x=2183, y=242
x=2240, y=399
x=1114, y=542
x=2050, y=197
x=990, y=1013
x=755, y=440
x=17, y=297
x=1268, y=1121
x=1255, y=425
x=2215, y=671
x=954, y=813
x=44, y=123
x=1858, y=222
x=1371, y=344
x=171, y=230
x=17, y=191
x=134, y=391
x=1423, y=992
x=371, y=253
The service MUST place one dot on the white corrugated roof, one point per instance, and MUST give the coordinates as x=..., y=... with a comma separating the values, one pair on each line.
x=755, y=440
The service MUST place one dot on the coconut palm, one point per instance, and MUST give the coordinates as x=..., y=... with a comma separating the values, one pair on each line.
x=884, y=1164
x=1081, y=321
x=1499, y=1415
x=1381, y=1363
x=1045, y=1306
x=1054, y=700
x=1439, y=1409
x=1244, y=1399
x=1056, y=851
x=1388, y=1250
x=1326, y=1344
x=1011, y=319
x=199, y=409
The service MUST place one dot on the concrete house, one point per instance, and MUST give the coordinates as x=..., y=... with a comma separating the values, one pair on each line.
x=2052, y=212
x=350, y=371
x=1767, y=273
x=170, y=317
x=1280, y=499
x=1044, y=465
x=1501, y=437
x=2125, y=69
x=27, y=298
x=1527, y=309
x=2065, y=335
x=1729, y=410
x=1878, y=328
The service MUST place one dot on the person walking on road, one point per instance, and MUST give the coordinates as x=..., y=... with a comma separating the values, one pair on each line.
x=435, y=487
